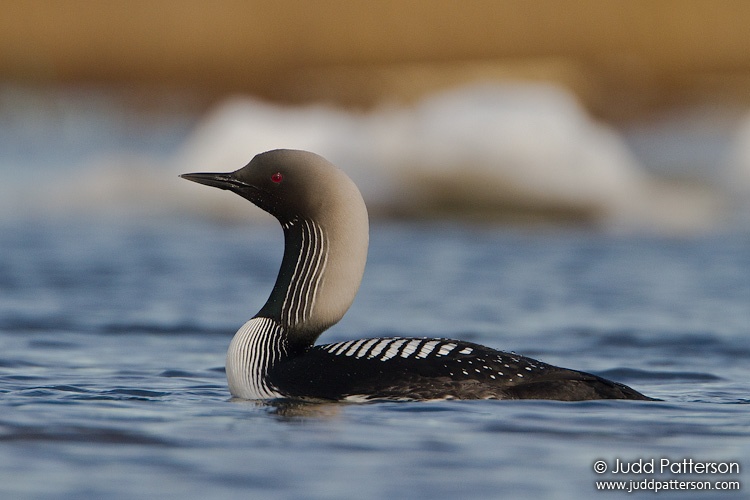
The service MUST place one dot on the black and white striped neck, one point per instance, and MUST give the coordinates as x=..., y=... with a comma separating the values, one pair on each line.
x=288, y=322
x=299, y=285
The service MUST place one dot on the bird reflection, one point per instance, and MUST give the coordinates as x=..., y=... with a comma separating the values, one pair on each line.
x=297, y=409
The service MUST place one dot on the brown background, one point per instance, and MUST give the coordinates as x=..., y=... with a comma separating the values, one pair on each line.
x=621, y=57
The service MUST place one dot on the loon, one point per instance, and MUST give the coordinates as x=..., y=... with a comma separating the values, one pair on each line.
x=326, y=235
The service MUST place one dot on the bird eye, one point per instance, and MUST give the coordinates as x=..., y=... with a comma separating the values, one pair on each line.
x=277, y=177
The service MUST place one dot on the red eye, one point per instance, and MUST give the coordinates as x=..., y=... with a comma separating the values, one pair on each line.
x=277, y=177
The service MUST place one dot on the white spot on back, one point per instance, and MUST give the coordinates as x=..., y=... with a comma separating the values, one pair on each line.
x=362, y=350
x=341, y=347
x=379, y=347
x=392, y=350
x=427, y=349
x=354, y=347
x=410, y=348
x=445, y=349
x=467, y=350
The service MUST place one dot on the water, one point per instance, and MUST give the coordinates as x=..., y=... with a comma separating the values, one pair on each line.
x=113, y=334
x=118, y=297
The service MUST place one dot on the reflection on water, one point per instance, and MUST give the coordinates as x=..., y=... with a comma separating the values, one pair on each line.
x=294, y=410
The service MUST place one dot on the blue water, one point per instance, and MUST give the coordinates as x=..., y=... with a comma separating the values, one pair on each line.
x=113, y=334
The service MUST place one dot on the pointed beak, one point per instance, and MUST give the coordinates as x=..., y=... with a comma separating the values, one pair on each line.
x=217, y=180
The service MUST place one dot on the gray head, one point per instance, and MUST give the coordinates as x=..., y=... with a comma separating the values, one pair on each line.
x=326, y=234
x=286, y=183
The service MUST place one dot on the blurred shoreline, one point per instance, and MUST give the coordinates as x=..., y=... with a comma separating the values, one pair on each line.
x=525, y=154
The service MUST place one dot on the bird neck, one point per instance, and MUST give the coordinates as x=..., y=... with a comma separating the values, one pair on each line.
x=323, y=263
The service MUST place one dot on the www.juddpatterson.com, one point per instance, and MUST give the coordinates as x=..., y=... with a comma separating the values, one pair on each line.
x=671, y=467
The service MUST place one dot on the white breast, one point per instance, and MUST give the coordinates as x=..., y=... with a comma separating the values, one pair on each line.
x=255, y=347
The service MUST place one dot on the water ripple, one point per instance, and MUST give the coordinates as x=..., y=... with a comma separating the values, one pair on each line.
x=77, y=434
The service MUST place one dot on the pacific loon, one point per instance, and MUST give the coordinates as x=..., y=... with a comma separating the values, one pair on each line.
x=326, y=237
